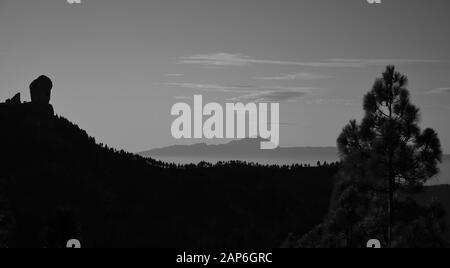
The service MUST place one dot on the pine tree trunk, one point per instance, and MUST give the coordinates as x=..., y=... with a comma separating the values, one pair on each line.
x=390, y=211
x=391, y=178
x=391, y=191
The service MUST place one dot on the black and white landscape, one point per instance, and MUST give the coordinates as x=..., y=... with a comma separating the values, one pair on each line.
x=118, y=124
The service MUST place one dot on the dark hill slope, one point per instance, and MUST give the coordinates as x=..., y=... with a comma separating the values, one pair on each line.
x=60, y=184
x=441, y=193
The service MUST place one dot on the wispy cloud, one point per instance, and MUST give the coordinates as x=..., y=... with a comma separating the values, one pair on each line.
x=227, y=59
x=216, y=59
x=212, y=87
x=441, y=90
x=296, y=76
x=234, y=88
x=271, y=96
x=251, y=93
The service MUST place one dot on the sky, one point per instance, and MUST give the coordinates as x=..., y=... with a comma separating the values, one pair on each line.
x=119, y=66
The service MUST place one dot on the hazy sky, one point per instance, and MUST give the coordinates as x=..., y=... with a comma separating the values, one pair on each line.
x=118, y=66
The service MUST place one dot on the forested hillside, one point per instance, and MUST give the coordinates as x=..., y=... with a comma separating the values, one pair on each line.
x=58, y=184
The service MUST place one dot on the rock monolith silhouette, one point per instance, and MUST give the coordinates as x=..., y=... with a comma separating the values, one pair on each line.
x=40, y=90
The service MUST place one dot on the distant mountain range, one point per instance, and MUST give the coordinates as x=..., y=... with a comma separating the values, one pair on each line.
x=245, y=150
x=248, y=150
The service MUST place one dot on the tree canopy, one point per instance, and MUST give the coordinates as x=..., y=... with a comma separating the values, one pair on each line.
x=385, y=158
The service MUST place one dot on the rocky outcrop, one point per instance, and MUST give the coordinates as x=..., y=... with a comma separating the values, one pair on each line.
x=14, y=100
x=39, y=107
x=40, y=90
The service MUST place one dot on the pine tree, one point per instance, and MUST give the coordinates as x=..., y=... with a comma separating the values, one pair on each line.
x=388, y=150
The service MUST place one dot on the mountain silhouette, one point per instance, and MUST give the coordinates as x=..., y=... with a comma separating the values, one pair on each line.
x=248, y=150
x=244, y=150
x=57, y=183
